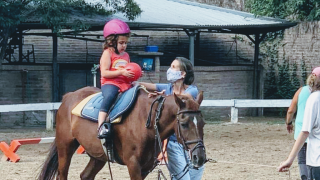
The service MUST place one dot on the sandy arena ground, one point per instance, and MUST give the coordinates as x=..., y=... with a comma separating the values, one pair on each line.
x=249, y=150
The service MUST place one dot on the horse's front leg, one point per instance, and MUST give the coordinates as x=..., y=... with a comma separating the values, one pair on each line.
x=134, y=168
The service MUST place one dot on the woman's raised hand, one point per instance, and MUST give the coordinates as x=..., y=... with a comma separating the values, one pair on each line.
x=155, y=93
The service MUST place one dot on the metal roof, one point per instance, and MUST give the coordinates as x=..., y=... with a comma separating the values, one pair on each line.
x=193, y=15
x=182, y=14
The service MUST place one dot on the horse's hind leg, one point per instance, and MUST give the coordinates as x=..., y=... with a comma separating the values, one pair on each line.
x=66, y=150
x=92, y=169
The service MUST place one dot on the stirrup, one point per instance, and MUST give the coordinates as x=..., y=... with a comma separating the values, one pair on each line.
x=104, y=131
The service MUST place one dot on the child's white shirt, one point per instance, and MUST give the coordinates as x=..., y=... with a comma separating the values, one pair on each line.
x=311, y=124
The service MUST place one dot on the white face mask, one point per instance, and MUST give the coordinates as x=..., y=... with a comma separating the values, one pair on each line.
x=173, y=75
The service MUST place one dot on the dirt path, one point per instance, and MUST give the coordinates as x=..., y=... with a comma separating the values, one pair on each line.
x=249, y=150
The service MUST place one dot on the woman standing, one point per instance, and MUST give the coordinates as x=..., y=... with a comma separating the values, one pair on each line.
x=181, y=76
x=307, y=126
x=298, y=105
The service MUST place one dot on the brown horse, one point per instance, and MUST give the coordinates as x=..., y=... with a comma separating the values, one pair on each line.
x=133, y=142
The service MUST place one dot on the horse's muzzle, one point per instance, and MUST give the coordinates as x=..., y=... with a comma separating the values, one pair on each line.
x=198, y=156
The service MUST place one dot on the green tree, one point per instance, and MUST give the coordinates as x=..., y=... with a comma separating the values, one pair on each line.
x=285, y=85
x=271, y=89
x=295, y=10
x=298, y=10
x=55, y=14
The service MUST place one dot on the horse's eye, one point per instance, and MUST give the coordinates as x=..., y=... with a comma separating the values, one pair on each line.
x=185, y=125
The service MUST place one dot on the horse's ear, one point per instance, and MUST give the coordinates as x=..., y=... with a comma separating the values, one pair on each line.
x=199, y=97
x=179, y=101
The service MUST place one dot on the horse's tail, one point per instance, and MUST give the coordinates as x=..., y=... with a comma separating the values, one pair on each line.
x=50, y=166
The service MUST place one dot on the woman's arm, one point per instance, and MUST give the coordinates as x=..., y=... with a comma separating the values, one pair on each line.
x=149, y=86
x=294, y=152
x=292, y=110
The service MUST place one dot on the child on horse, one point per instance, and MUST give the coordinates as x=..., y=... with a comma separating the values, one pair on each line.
x=113, y=74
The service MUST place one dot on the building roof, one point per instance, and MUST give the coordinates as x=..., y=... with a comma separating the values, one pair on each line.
x=182, y=14
x=193, y=15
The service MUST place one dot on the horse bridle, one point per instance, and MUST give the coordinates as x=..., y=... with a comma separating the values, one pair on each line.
x=161, y=99
x=198, y=142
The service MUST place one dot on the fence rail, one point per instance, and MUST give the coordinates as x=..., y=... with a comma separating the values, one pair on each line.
x=49, y=107
x=234, y=104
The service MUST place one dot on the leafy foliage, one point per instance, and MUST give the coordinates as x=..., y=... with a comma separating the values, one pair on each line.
x=286, y=88
x=298, y=10
x=128, y=7
x=282, y=80
x=280, y=83
x=10, y=13
x=56, y=13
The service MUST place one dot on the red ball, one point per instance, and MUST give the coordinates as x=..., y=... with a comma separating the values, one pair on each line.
x=136, y=69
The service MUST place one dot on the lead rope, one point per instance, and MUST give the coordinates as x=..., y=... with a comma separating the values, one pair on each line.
x=261, y=165
x=160, y=173
x=160, y=99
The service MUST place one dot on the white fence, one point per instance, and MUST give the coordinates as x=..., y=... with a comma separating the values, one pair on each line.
x=49, y=107
x=235, y=104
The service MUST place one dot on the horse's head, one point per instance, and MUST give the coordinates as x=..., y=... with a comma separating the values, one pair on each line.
x=189, y=129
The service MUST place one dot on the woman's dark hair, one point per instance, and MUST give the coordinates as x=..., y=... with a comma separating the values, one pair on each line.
x=186, y=66
x=112, y=41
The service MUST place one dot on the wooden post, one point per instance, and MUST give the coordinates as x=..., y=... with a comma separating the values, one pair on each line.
x=157, y=64
x=20, y=46
x=234, y=114
x=55, y=70
x=191, y=45
x=255, y=89
x=49, y=120
x=197, y=45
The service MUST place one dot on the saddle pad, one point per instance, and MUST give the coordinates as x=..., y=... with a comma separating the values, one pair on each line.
x=77, y=110
x=92, y=106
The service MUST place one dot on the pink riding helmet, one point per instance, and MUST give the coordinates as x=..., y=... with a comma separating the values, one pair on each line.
x=316, y=71
x=115, y=26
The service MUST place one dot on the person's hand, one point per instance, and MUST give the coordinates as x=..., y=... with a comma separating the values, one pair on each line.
x=289, y=128
x=284, y=166
x=155, y=93
x=126, y=73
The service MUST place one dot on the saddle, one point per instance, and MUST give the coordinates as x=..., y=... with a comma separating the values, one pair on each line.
x=89, y=107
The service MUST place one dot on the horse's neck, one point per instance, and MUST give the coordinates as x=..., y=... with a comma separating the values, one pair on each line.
x=168, y=118
x=168, y=115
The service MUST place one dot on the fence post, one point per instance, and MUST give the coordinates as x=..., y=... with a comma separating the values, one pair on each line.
x=234, y=114
x=50, y=118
